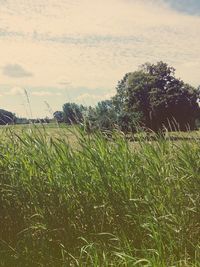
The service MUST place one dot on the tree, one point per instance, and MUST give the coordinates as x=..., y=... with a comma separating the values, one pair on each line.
x=73, y=113
x=102, y=117
x=159, y=99
x=106, y=115
x=7, y=117
x=58, y=116
x=127, y=119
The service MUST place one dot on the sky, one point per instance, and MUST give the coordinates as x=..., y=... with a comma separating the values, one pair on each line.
x=77, y=50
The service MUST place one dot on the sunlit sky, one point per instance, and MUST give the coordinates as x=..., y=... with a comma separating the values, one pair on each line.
x=77, y=50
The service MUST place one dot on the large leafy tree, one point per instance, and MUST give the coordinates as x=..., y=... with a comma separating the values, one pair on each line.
x=159, y=99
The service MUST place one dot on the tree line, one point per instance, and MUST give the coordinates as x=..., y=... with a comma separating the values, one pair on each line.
x=8, y=118
x=151, y=97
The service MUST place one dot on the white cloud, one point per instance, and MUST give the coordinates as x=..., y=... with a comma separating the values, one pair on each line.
x=15, y=91
x=92, y=99
x=44, y=93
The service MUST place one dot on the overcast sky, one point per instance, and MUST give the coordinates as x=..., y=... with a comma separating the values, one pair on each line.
x=77, y=50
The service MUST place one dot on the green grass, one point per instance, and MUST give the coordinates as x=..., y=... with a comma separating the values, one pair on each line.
x=98, y=202
x=51, y=130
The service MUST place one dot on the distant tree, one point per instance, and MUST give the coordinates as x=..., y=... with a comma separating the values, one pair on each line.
x=7, y=117
x=47, y=120
x=198, y=116
x=102, y=117
x=90, y=119
x=73, y=113
x=106, y=114
x=22, y=121
x=158, y=98
x=58, y=116
x=120, y=98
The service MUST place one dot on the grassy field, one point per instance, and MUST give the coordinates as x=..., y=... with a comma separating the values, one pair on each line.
x=51, y=130
x=68, y=199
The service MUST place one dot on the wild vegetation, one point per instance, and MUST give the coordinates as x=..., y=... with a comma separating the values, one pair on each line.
x=110, y=185
x=101, y=201
x=151, y=97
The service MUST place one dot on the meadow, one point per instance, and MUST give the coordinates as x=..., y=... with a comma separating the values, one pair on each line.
x=72, y=199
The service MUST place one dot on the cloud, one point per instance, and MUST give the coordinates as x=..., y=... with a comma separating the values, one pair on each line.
x=15, y=91
x=16, y=71
x=45, y=93
x=64, y=82
x=92, y=99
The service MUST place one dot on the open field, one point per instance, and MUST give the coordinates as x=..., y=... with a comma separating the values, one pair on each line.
x=65, y=131
x=51, y=130
x=68, y=199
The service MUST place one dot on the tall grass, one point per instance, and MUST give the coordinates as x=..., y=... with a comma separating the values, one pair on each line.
x=101, y=202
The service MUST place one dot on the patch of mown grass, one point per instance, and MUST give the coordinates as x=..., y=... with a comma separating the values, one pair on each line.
x=100, y=203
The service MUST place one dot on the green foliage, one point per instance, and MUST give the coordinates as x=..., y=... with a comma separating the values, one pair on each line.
x=160, y=99
x=128, y=121
x=99, y=203
x=58, y=116
x=6, y=117
x=106, y=117
x=102, y=117
x=72, y=113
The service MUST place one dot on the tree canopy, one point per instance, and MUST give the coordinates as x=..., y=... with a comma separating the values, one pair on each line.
x=58, y=116
x=158, y=97
x=72, y=113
